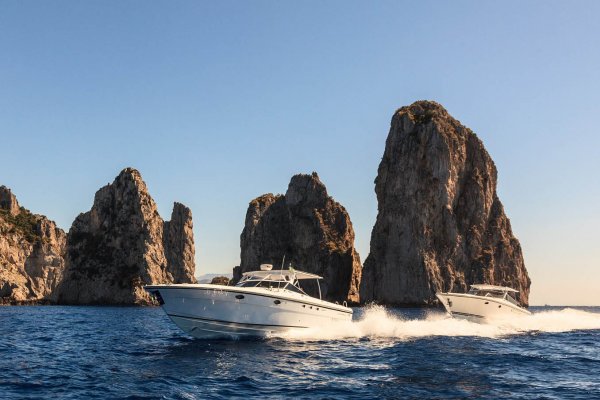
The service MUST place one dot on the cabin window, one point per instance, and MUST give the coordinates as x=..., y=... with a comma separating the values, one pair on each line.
x=487, y=293
x=247, y=284
x=265, y=284
x=271, y=284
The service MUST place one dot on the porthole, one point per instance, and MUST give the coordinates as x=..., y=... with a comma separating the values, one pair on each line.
x=239, y=296
x=277, y=302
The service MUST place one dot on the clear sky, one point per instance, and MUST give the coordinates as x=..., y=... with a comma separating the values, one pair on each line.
x=219, y=102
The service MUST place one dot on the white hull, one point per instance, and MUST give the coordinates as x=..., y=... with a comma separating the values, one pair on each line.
x=215, y=311
x=478, y=308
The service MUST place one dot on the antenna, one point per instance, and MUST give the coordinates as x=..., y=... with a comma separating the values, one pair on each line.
x=281, y=269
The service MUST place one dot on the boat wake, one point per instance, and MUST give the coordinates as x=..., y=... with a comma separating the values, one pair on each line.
x=378, y=322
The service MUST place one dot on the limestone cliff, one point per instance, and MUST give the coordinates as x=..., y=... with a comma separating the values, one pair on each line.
x=312, y=230
x=32, y=252
x=440, y=224
x=122, y=243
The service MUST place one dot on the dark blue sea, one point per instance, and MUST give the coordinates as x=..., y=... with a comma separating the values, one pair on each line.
x=52, y=352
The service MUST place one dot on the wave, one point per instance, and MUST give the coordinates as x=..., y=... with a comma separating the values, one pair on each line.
x=378, y=322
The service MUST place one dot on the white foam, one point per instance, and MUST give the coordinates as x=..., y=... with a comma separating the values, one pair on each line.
x=377, y=322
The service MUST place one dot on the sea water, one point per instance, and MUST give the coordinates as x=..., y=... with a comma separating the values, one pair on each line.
x=122, y=352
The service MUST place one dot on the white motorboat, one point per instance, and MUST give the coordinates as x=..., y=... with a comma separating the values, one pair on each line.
x=262, y=303
x=482, y=302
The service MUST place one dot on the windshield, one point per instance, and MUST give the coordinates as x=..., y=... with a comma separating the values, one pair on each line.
x=295, y=289
x=495, y=294
x=265, y=284
x=511, y=299
x=487, y=293
x=287, y=285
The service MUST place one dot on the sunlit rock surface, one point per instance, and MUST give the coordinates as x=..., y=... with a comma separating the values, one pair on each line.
x=32, y=252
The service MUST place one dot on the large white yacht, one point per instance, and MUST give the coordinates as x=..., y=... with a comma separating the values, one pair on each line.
x=262, y=303
x=483, y=302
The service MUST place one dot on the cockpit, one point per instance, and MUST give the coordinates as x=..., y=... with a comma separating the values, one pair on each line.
x=286, y=285
x=498, y=293
x=280, y=279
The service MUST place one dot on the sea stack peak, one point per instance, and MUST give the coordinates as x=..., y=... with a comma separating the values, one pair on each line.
x=305, y=189
x=310, y=229
x=129, y=172
x=440, y=224
x=122, y=244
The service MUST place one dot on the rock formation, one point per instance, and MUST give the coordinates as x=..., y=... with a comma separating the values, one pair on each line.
x=178, y=242
x=220, y=280
x=32, y=252
x=122, y=244
x=8, y=201
x=440, y=224
x=311, y=230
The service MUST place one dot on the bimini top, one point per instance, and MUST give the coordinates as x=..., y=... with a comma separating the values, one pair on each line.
x=493, y=287
x=280, y=274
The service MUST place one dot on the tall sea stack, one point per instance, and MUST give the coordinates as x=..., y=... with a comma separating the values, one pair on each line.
x=311, y=230
x=122, y=243
x=440, y=224
x=32, y=250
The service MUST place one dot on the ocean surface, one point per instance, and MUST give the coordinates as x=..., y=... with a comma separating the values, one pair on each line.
x=52, y=352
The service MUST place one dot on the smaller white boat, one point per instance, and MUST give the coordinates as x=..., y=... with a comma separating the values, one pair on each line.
x=483, y=302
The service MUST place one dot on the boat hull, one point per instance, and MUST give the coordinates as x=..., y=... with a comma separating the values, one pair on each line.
x=478, y=308
x=215, y=311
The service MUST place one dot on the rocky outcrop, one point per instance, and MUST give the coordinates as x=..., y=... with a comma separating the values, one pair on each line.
x=311, y=230
x=8, y=201
x=440, y=224
x=220, y=280
x=178, y=242
x=122, y=243
x=32, y=252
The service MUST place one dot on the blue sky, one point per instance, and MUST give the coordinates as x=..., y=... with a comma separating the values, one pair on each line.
x=217, y=103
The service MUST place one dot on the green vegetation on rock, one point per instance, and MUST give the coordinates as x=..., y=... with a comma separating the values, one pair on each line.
x=24, y=222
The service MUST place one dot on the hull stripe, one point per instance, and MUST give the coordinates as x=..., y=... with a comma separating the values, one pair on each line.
x=240, y=324
x=467, y=314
